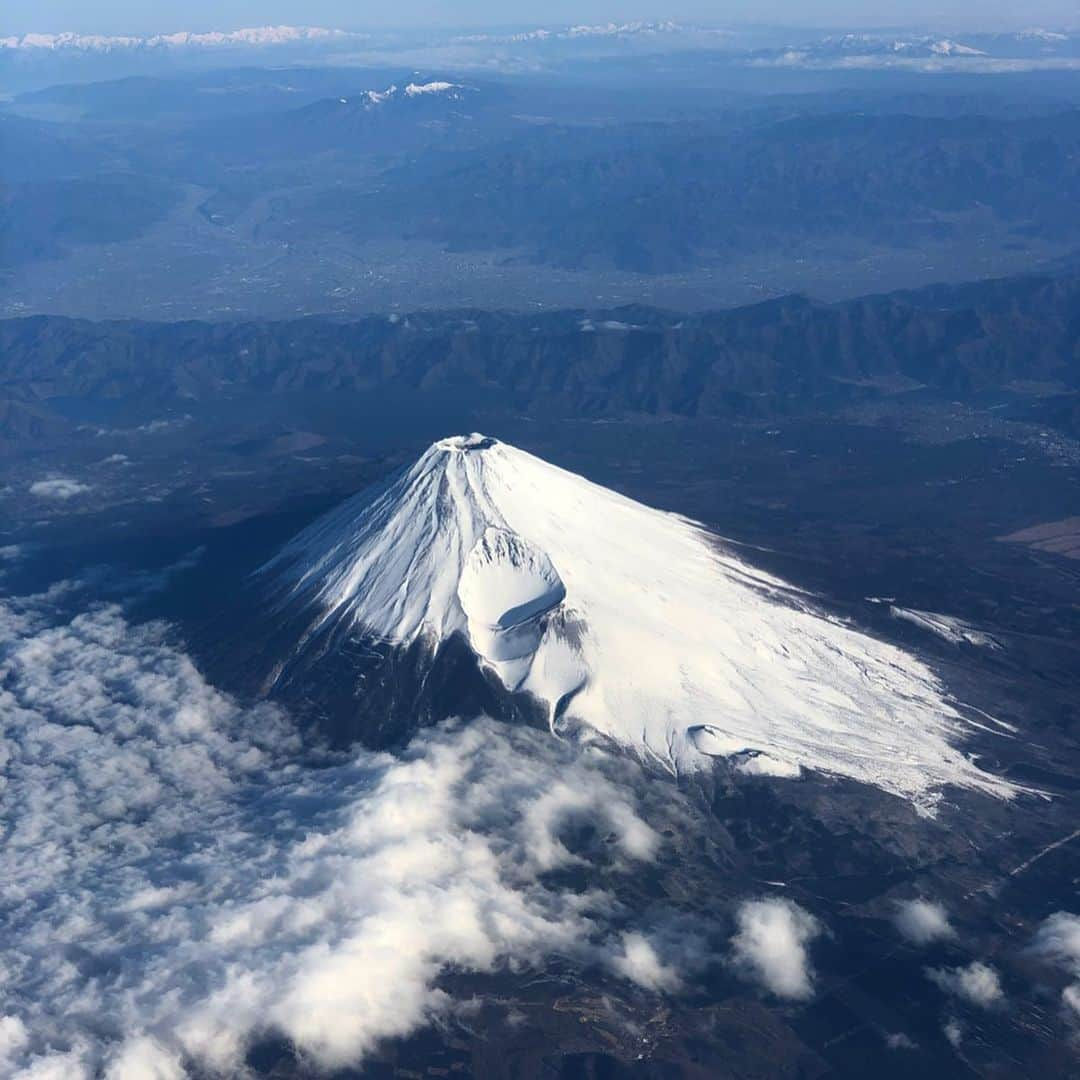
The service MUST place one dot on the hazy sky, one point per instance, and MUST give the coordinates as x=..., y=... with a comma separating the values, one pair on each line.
x=138, y=16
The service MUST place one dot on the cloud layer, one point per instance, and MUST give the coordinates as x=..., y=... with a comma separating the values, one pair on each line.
x=182, y=878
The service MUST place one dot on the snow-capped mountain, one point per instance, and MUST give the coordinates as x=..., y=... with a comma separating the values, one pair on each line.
x=626, y=29
x=982, y=52
x=621, y=620
x=1037, y=33
x=373, y=118
x=873, y=44
x=253, y=36
x=862, y=48
x=634, y=28
x=436, y=89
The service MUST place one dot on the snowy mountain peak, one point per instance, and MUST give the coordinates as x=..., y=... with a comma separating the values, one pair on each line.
x=624, y=621
x=431, y=90
x=464, y=443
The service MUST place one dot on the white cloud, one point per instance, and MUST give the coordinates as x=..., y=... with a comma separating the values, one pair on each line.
x=1058, y=939
x=145, y=1059
x=13, y=1038
x=977, y=983
x=58, y=487
x=954, y=1032
x=899, y=1041
x=152, y=427
x=770, y=946
x=185, y=875
x=922, y=921
x=640, y=962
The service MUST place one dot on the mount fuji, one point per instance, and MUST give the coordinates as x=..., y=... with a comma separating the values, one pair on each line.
x=616, y=621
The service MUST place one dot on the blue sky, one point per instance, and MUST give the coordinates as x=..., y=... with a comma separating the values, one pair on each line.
x=138, y=16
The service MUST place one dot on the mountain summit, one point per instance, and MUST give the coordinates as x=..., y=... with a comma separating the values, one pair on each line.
x=620, y=620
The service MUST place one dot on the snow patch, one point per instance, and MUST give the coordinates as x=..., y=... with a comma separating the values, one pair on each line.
x=714, y=743
x=953, y=630
x=506, y=588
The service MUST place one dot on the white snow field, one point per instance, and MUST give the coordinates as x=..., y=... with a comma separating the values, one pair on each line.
x=632, y=622
x=954, y=631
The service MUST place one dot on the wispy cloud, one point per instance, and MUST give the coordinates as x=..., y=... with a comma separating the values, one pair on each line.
x=897, y=1040
x=183, y=877
x=58, y=487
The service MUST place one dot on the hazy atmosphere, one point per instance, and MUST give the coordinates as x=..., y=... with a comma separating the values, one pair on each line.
x=128, y=16
x=539, y=544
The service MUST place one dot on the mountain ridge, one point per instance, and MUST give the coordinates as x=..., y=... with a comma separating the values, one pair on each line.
x=780, y=357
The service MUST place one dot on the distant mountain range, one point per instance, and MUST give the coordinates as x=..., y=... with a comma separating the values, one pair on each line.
x=778, y=358
x=447, y=161
x=1027, y=43
x=254, y=36
x=977, y=51
x=289, y=35
x=635, y=28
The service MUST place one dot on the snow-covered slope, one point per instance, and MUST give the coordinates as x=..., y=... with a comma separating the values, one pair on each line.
x=954, y=631
x=623, y=620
